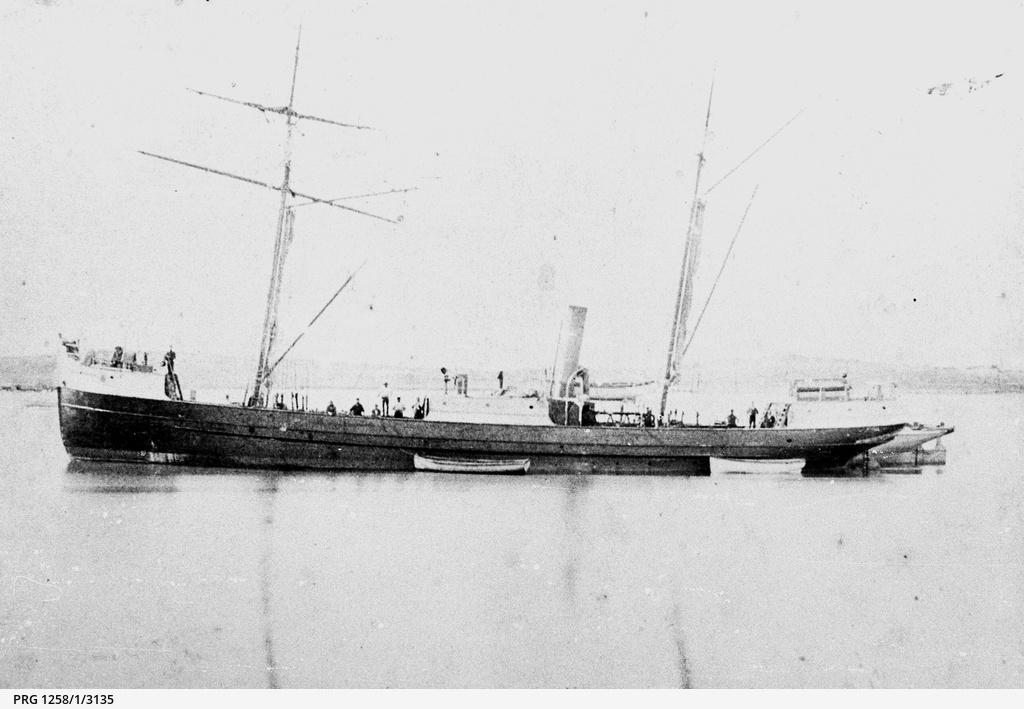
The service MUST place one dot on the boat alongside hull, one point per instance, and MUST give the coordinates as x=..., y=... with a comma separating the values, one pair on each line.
x=475, y=466
x=753, y=465
x=97, y=426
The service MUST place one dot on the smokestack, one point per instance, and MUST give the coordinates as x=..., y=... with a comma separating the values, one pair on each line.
x=567, y=358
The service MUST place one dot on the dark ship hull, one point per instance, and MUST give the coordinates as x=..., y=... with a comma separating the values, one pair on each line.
x=121, y=428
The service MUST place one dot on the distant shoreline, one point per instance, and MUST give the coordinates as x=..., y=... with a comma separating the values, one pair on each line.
x=39, y=373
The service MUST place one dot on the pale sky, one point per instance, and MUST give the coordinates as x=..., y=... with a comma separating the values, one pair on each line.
x=553, y=147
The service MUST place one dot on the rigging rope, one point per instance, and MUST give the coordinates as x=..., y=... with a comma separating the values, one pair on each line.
x=315, y=318
x=714, y=285
x=754, y=152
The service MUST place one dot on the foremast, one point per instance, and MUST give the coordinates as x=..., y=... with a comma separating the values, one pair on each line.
x=285, y=224
x=691, y=253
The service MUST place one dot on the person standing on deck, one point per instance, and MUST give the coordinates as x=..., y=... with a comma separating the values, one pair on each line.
x=172, y=387
x=385, y=400
x=752, y=416
x=169, y=360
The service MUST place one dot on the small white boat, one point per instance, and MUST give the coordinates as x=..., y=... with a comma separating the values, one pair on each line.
x=757, y=465
x=470, y=465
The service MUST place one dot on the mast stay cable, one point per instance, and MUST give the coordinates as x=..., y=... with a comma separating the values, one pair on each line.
x=271, y=368
x=721, y=270
x=754, y=152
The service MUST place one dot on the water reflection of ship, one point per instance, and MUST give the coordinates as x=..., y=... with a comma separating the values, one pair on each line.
x=136, y=479
x=575, y=488
x=268, y=493
x=578, y=539
x=116, y=477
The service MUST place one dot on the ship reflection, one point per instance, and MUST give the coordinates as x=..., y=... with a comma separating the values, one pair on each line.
x=675, y=627
x=91, y=476
x=268, y=495
x=98, y=470
x=575, y=488
x=136, y=478
x=578, y=508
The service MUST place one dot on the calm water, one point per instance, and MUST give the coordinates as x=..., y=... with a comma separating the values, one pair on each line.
x=172, y=577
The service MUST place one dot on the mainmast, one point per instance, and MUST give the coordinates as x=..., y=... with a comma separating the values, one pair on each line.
x=691, y=248
x=282, y=240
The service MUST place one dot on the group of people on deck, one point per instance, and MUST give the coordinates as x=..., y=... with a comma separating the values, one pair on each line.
x=119, y=359
x=355, y=410
x=384, y=409
x=770, y=419
x=398, y=411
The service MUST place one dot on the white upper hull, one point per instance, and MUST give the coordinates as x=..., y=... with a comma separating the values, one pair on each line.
x=101, y=379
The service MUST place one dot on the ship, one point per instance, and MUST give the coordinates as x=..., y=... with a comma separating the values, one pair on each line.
x=566, y=435
x=112, y=411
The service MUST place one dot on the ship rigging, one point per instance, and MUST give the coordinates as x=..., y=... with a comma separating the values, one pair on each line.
x=284, y=232
x=680, y=339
